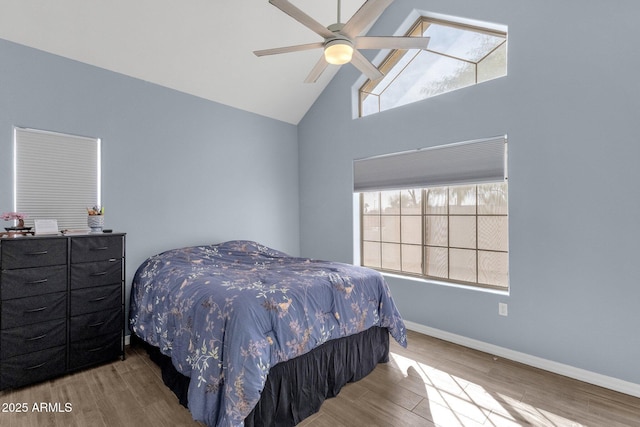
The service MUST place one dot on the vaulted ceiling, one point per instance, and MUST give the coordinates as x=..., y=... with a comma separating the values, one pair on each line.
x=201, y=47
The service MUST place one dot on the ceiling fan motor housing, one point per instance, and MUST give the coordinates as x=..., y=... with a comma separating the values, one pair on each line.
x=335, y=28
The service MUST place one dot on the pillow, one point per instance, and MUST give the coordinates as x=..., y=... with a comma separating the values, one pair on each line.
x=248, y=246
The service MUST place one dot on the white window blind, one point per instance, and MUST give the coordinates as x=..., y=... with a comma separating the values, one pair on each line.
x=471, y=162
x=57, y=176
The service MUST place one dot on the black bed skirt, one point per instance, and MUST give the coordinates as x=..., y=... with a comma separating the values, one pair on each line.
x=296, y=389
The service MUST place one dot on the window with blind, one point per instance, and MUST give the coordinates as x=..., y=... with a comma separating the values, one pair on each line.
x=57, y=176
x=443, y=215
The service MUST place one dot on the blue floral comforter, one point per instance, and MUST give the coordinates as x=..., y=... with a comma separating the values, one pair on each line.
x=226, y=313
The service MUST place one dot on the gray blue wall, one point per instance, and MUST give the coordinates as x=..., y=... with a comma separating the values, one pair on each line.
x=571, y=108
x=177, y=170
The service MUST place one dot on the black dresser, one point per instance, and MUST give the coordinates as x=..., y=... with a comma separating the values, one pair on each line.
x=61, y=305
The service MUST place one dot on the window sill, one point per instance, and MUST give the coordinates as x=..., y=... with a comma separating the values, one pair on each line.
x=447, y=284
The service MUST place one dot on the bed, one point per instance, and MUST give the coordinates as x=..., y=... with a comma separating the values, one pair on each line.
x=255, y=336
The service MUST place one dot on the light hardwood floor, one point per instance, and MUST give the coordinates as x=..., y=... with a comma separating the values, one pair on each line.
x=431, y=383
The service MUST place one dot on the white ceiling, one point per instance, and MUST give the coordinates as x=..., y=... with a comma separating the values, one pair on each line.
x=201, y=47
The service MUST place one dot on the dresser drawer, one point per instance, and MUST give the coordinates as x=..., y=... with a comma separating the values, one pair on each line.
x=96, y=248
x=95, y=350
x=27, y=282
x=27, y=339
x=24, y=253
x=33, y=367
x=98, y=273
x=89, y=300
x=90, y=325
x=30, y=310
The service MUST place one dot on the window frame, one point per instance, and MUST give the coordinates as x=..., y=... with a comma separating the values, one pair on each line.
x=416, y=30
x=423, y=238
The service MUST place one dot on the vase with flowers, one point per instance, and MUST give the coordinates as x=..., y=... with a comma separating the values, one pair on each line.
x=15, y=216
x=95, y=218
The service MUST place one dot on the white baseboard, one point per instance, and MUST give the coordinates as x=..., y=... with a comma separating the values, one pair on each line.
x=538, y=362
x=127, y=339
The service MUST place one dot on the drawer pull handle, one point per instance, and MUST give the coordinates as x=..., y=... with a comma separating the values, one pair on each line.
x=101, y=273
x=93, y=350
x=35, y=310
x=37, y=282
x=30, y=368
x=101, y=248
x=36, y=338
x=95, y=325
x=98, y=299
x=38, y=253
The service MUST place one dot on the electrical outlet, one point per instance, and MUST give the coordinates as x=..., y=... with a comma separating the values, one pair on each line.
x=502, y=309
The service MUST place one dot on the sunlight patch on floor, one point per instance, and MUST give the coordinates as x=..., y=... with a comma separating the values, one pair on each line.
x=454, y=401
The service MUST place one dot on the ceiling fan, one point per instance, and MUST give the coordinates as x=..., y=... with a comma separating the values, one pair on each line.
x=342, y=41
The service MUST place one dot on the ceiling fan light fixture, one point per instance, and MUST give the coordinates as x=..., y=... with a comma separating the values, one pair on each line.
x=338, y=51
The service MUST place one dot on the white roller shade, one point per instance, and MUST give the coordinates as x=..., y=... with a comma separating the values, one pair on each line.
x=468, y=162
x=56, y=176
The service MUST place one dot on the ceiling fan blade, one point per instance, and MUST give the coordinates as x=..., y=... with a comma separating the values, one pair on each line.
x=303, y=18
x=391, y=42
x=364, y=65
x=320, y=66
x=368, y=12
x=287, y=49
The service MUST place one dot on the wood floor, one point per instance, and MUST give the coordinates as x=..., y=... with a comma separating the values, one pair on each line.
x=431, y=383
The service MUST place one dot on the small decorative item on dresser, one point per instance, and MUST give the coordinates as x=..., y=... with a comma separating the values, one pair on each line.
x=95, y=218
x=9, y=216
x=18, y=229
